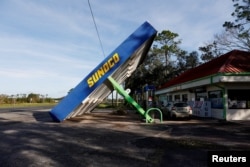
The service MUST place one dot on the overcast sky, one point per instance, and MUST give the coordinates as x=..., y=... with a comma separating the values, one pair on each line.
x=49, y=46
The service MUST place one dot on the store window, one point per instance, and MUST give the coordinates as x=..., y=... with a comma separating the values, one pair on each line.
x=170, y=98
x=216, y=98
x=238, y=98
x=200, y=94
x=162, y=100
x=177, y=97
x=185, y=97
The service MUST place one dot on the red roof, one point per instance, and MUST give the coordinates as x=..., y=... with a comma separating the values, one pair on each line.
x=235, y=61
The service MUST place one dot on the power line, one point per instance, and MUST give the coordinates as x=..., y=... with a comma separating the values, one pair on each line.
x=96, y=28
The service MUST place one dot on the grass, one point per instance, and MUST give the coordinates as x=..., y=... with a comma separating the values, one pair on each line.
x=20, y=105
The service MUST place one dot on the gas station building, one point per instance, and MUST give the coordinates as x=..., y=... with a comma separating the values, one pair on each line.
x=219, y=88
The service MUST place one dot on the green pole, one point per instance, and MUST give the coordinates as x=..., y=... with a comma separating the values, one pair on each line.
x=129, y=99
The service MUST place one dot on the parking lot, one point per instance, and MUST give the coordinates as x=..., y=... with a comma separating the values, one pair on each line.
x=30, y=138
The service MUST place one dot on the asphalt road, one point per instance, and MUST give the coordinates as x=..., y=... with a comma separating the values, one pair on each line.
x=29, y=137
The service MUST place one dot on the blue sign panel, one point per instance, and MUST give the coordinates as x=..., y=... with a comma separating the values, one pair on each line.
x=108, y=66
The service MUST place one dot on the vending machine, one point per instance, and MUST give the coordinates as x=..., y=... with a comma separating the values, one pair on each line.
x=202, y=108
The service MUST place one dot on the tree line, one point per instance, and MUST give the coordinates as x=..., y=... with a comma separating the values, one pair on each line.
x=167, y=60
x=24, y=98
